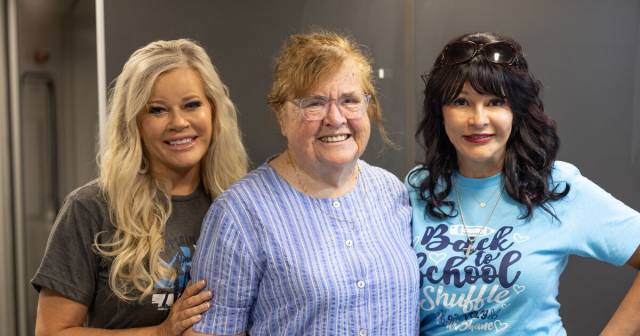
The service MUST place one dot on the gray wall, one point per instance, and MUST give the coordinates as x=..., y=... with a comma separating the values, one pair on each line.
x=53, y=146
x=585, y=52
x=243, y=37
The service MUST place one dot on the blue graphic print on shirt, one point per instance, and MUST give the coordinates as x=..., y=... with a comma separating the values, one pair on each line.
x=486, y=276
x=181, y=263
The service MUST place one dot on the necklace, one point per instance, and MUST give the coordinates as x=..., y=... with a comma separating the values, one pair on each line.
x=306, y=192
x=482, y=203
x=468, y=250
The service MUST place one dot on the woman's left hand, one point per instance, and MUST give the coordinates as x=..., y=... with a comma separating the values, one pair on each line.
x=186, y=310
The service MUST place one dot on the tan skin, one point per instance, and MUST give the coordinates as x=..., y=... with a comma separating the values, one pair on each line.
x=478, y=126
x=177, y=109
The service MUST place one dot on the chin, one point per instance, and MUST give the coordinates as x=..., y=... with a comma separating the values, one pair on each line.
x=341, y=161
x=184, y=165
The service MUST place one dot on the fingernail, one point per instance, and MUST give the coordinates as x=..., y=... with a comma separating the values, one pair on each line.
x=201, y=282
x=199, y=317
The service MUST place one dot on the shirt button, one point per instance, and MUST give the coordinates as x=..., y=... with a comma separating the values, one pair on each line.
x=349, y=242
x=362, y=332
x=360, y=284
x=336, y=204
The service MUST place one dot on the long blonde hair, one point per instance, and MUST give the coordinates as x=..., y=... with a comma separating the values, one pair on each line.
x=139, y=208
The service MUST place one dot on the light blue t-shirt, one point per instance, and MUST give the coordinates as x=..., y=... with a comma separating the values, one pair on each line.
x=509, y=284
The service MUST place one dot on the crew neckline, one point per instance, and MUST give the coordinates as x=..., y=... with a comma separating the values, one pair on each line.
x=198, y=192
x=477, y=183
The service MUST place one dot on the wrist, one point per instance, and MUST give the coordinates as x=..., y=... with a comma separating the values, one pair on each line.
x=160, y=330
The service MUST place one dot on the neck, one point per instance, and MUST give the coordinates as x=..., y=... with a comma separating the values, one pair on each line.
x=480, y=170
x=321, y=182
x=178, y=183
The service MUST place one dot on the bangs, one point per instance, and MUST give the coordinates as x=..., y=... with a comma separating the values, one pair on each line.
x=486, y=78
x=314, y=69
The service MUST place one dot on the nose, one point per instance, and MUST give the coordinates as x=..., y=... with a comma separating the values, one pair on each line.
x=334, y=116
x=479, y=117
x=178, y=120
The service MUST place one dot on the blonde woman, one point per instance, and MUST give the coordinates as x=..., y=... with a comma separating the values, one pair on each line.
x=119, y=254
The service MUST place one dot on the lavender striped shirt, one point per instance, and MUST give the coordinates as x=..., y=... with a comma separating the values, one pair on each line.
x=282, y=263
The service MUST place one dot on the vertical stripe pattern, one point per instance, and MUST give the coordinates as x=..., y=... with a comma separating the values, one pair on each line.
x=282, y=263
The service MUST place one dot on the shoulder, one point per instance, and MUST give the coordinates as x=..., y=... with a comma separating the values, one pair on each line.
x=89, y=192
x=89, y=199
x=247, y=197
x=255, y=184
x=565, y=172
x=84, y=212
x=415, y=177
x=383, y=185
x=380, y=176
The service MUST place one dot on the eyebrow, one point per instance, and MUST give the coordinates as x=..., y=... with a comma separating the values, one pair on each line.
x=349, y=93
x=162, y=101
x=191, y=96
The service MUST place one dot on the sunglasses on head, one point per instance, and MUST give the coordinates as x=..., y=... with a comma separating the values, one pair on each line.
x=495, y=52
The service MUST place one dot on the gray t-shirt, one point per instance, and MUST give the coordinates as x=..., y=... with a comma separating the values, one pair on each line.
x=73, y=268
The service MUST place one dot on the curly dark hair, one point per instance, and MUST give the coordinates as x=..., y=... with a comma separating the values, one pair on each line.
x=532, y=145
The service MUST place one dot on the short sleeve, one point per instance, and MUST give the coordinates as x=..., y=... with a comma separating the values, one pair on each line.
x=69, y=265
x=610, y=229
x=225, y=258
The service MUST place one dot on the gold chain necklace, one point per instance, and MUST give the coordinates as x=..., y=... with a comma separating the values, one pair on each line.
x=306, y=192
x=472, y=239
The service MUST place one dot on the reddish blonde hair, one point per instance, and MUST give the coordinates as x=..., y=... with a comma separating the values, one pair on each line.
x=306, y=59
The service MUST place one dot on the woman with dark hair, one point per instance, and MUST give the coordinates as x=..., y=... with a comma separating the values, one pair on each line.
x=495, y=216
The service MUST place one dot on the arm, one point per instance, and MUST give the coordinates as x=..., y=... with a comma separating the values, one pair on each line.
x=61, y=316
x=225, y=256
x=625, y=321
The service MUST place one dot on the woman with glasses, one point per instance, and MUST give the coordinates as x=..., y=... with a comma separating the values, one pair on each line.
x=315, y=241
x=118, y=258
x=495, y=216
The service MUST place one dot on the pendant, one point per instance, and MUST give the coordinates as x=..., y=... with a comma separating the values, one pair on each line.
x=469, y=249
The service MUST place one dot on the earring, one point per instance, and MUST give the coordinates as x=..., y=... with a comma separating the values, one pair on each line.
x=144, y=166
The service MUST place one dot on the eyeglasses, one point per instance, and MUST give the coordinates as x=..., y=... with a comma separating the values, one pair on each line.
x=352, y=106
x=495, y=52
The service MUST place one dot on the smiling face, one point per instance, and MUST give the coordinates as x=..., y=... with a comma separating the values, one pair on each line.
x=176, y=127
x=334, y=142
x=478, y=126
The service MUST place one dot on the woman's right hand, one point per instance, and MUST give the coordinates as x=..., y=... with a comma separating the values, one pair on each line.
x=186, y=310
